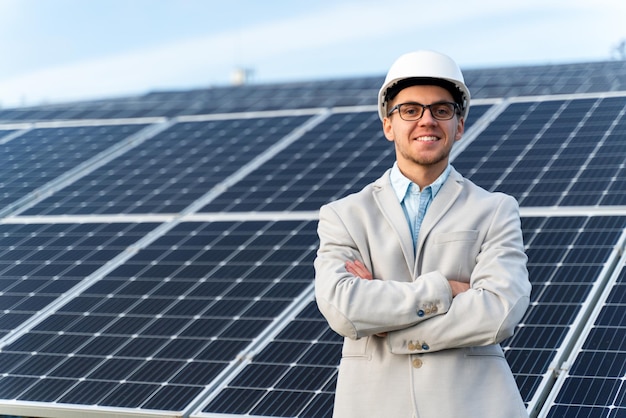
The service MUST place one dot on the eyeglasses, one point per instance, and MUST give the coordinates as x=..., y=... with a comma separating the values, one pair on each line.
x=413, y=111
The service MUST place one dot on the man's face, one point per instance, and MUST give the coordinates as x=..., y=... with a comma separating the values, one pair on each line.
x=427, y=142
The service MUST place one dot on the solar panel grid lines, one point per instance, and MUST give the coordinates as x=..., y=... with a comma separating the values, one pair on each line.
x=243, y=173
x=251, y=356
x=40, y=155
x=579, y=78
x=135, y=336
x=294, y=375
x=116, y=149
x=8, y=134
x=564, y=287
x=483, y=113
x=591, y=382
x=611, y=118
x=541, y=171
x=547, y=130
x=42, y=263
x=171, y=170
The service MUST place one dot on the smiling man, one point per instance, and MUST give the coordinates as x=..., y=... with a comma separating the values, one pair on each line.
x=423, y=272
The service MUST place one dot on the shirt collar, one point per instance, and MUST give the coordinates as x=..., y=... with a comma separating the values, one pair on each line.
x=401, y=184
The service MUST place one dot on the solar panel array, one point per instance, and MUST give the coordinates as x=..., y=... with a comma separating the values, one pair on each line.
x=156, y=252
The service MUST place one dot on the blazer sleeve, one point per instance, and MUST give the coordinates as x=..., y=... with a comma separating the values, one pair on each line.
x=498, y=297
x=355, y=307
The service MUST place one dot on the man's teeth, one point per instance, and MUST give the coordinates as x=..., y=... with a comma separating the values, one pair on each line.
x=427, y=138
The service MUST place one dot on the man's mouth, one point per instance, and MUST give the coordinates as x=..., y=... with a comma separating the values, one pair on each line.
x=427, y=138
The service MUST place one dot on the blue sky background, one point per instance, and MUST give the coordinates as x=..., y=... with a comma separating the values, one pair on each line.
x=60, y=50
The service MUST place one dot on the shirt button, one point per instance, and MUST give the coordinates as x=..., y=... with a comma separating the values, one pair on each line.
x=420, y=313
x=417, y=363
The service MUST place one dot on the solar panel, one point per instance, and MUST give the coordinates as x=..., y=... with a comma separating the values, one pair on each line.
x=553, y=153
x=592, y=383
x=38, y=156
x=163, y=267
x=484, y=83
x=170, y=171
x=161, y=326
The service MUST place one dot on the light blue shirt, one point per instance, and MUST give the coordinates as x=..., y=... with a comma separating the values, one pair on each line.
x=414, y=202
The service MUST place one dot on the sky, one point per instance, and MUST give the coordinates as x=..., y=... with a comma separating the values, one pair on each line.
x=55, y=51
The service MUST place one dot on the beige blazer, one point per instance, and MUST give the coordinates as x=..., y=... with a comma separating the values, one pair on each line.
x=441, y=357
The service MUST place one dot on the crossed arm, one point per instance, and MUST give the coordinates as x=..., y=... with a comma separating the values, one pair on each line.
x=358, y=269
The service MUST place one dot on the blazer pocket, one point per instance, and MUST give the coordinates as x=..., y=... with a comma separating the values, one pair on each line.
x=456, y=252
x=355, y=348
x=485, y=351
x=456, y=236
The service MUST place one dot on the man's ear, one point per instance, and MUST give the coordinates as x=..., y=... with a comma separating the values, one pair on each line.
x=460, y=129
x=387, y=130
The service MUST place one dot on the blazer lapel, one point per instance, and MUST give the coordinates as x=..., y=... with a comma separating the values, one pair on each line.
x=389, y=206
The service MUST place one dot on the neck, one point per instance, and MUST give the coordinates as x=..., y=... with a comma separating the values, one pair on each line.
x=423, y=176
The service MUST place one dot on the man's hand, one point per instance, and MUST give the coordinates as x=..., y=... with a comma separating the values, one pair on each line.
x=358, y=269
x=458, y=287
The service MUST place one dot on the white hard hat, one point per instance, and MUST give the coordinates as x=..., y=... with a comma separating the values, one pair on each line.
x=424, y=67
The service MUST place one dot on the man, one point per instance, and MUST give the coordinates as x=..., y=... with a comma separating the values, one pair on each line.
x=423, y=272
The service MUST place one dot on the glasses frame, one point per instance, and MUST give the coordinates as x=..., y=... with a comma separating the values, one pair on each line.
x=397, y=107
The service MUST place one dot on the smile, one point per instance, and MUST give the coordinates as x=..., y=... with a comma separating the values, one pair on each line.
x=427, y=138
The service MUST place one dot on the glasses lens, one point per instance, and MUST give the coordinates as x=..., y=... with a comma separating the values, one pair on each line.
x=411, y=111
x=415, y=111
x=442, y=111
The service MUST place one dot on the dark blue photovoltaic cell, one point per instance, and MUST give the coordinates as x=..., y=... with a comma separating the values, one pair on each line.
x=594, y=386
x=156, y=332
x=41, y=262
x=40, y=155
x=170, y=171
x=294, y=375
x=540, y=153
x=562, y=280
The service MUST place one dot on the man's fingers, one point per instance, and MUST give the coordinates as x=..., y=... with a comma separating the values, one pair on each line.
x=357, y=268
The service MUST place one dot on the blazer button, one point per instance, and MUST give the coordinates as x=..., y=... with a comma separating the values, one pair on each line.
x=434, y=309
x=412, y=347
x=417, y=363
x=420, y=313
x=425, y=346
